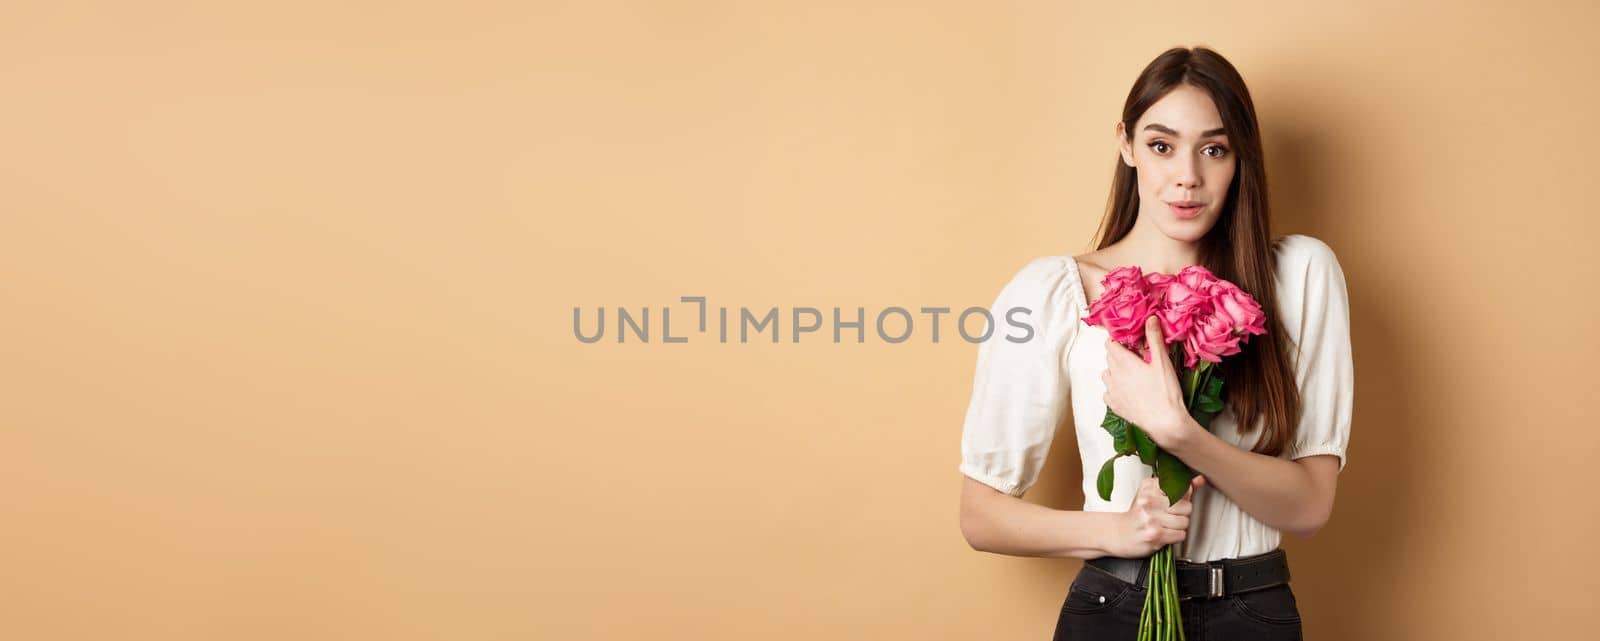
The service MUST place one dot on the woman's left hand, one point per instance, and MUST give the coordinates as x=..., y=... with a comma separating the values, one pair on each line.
x=1146, y=392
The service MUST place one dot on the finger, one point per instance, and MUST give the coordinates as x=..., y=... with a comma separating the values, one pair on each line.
x=1169, y=536
x=1153, y=337
x=1194, y=484
x=1156, y=501
x=1113, y=347
x=1172, y=521
x=1184, y=508
x=1114, y=351
x=1166, y=351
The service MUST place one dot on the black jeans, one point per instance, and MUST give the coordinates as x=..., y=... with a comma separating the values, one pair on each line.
x=1100, y=606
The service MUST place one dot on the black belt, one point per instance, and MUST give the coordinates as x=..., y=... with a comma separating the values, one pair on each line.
x=1219, y=578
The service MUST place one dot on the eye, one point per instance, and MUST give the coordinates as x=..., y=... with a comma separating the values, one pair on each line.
x=1219, y=149
x=1159, y=147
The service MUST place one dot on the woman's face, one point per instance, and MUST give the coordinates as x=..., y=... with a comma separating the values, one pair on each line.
x=1183, y=163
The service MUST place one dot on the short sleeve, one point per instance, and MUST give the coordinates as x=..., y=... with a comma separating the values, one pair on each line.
x=1019, y=389
x=1323, y=360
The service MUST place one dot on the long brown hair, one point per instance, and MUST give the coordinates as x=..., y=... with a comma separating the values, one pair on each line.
x=1260, y=381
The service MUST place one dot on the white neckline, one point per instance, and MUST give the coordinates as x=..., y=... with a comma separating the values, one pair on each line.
x=1083, y=294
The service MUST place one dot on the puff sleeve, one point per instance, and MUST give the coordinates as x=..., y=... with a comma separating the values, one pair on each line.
x=1323, y=364
x=1019, y=389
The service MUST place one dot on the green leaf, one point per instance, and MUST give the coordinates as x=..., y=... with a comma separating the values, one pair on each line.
x=1108, y=473
x=1111, y=419
x=1173, y=475
x=1202, y=417
x=1118, y=428
x=1209, y=399
x=1124, y=438
x=1145, y=447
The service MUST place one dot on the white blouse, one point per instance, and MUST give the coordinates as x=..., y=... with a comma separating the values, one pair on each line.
x=1020, y=390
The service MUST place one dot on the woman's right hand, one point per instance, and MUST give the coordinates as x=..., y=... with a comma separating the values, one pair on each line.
x=1150, y=522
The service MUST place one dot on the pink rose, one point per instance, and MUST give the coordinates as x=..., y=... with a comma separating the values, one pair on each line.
x=1157, y=279
x=1211, y=317
x=1129, y=276
x=1183, y=307
x=1124, y=307
x=1239, y=309
x=1156, y=283
x=1209, y=340
x=1197, y=277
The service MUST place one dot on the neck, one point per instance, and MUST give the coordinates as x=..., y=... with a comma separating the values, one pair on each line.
x=1154, y=251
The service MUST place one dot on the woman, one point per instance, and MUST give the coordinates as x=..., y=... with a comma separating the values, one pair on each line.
x=1190, y=188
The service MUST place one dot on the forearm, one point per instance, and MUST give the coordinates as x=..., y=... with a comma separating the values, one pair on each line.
x=1004, y=524
x=1275, y=491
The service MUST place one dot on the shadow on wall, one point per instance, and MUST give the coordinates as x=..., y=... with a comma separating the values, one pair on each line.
x=1310, y=163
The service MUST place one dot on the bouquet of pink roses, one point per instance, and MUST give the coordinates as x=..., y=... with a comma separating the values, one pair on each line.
x=1203, y=318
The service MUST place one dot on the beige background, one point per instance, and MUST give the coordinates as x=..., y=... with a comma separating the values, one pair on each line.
x=288, y=347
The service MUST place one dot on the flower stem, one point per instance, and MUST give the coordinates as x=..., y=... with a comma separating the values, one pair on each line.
x=1166, y=613
x=1177, y=614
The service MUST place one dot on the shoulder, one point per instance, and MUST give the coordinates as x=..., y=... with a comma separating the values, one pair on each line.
x=1300, y=245
x=1048, y=285
x=1311, y=285
x=1043, y=275
x=1303, y=247
x=1043, y=268
x=1302, y=256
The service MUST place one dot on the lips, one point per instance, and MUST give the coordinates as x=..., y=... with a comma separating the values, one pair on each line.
x=1186, y=209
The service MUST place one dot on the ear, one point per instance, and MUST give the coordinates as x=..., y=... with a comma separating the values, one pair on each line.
x=1124, y=146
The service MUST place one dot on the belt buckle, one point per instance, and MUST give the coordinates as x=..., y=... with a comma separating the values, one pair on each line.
x=1216, y=587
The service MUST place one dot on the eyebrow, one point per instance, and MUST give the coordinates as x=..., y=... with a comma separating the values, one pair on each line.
x=1170, y=132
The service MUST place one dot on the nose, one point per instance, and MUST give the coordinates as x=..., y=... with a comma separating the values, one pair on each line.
x=1188, y=173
